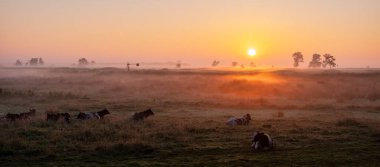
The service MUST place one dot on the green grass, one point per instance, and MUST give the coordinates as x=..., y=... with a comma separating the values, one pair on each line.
x=188, y=128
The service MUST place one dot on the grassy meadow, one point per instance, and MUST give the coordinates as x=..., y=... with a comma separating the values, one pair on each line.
x=315, y=117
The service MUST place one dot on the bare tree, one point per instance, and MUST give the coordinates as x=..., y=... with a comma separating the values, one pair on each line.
x=234, y=64
x=83, y=62
x=316, y=62
x=298, y=58
x=329, y=61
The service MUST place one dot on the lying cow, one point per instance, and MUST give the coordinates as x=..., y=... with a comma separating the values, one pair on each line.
x=261, y=141
x=142, y=115
x=57, y=116
x=240, y=121
x=93, y=115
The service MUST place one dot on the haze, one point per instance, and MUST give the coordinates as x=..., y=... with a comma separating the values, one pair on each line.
x=196, y=32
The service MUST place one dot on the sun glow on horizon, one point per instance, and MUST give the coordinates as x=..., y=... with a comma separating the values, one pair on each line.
x=251, y=52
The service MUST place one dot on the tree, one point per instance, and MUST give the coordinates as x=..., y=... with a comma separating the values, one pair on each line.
x=252, y=64
x=83, y=62
x=234, y=64
x=178, y=65
x=18, y=63
x=316, y=62
x=40, y=61
x=215, y=63
x=329, y=61
x=35, y=62
x=298, y=58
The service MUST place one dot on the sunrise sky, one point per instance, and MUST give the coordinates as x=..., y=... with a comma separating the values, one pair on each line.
x=192, y=31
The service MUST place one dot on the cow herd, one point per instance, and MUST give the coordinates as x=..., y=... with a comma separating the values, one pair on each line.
x=55, y=117
x=260, y=141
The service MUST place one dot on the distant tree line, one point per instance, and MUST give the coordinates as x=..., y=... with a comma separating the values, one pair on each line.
x=216, y=63
x=31, y=62
x=85, y=62
x=316, y=61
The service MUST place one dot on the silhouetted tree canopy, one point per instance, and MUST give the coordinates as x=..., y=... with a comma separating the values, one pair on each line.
x=18, y=63
x=316, y=62
x=234, y=64
x=40, y=61
x=329, y=61
x=215, y=63
x=83, y=62
x=298, y=58
x=35, y=62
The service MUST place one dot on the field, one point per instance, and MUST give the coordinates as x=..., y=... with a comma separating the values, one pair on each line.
x=316, y=117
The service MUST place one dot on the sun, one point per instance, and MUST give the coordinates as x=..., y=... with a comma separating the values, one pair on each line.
x=251, y=52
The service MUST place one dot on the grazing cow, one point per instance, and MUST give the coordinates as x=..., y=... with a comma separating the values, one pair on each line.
x=56, y=116
x=27, y=115
x=93, y=115
x=261, y=141
x=240, y=121
x=142, y=115
x=12, y=117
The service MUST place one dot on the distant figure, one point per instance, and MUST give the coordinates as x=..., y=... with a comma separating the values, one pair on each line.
x=128, y=66
x=142, y=115
x=57, y=116
x=240, y=121
x=261, y=141
x=93, y=115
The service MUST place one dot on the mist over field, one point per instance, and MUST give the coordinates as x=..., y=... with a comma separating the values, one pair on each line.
x=311, y=115
x=189, y=83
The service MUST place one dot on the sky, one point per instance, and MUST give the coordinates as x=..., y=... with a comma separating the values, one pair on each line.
x=191, y=31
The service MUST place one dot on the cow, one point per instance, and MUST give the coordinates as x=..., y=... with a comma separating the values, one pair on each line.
x=27, y=115
x=93, y=115
x=240, y=121
x=21, y=116
x=142, y=115
x=57, y=116
x=261, y=141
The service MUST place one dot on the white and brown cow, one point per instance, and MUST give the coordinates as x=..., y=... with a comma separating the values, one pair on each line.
x=240, y=121
x=261, y=141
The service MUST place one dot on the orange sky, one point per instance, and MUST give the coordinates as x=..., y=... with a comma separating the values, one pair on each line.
x=193, y=31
